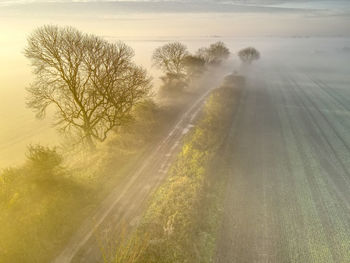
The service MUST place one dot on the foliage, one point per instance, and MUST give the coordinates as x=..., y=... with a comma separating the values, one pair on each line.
x=180, y=67
x=170, y=58
x=92, y=83
x=122, y=248
x=172, y=84
x=43, y=201
x=35, y=200
x=215, y=53
x=43, y=159
x=147, y=123
x=248, y=55
x=178, y=227
x=194, y=66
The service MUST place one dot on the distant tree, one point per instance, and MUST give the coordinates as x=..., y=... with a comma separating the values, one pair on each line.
x=215, y=53
x=92, y=83
x=248, y=55
x=194, y=66
x=170, y=58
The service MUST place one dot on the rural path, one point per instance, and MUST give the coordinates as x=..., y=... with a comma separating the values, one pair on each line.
x=122, y=209
x=288, y=196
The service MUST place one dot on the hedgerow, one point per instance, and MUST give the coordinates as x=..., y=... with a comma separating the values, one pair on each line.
x=182, y=218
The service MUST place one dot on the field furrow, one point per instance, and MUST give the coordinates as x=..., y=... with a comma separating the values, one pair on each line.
x=289, y=193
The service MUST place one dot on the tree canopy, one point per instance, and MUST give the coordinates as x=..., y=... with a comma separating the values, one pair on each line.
x=248, y=55
x=194, y=66
x=170, y=58
x=92, y=83
x=215, y=53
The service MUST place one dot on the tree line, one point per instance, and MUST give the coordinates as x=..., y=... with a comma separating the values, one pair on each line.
x=180, y=222
x=94, y=84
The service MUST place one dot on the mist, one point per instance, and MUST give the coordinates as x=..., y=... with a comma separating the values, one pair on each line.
x=20, y=127
x=174, y=131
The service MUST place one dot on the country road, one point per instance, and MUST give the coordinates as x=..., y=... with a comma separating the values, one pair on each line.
x=288, y=196
x=122, y=209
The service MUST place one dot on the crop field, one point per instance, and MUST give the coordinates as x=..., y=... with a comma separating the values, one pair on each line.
x=175, y=131
x=288, y=199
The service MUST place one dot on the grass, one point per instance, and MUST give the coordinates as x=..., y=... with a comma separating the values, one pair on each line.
x=182, y=218
x=44, y=201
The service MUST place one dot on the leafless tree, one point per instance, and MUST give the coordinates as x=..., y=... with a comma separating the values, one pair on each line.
x=215, y=53
x=248, y=55
x=170, y=58
x=92, y=83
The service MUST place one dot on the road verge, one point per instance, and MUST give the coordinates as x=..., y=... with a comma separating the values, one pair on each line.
x=182, y=218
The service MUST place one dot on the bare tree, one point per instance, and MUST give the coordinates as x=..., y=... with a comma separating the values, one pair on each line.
x=92, y=83
x=215, y=53
x=170, y=58
x=248, y=55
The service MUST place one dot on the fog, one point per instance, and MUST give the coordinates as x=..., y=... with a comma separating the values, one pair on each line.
x=308, y=34
x=229, y=144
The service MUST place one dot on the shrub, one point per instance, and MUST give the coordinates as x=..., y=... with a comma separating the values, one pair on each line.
x=176, y=223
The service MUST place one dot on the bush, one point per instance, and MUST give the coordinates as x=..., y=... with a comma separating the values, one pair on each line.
x=173, y=84
x=38, y=204
x=178, y=227
x=43, y=157
x=248, y=55
x=215, y=54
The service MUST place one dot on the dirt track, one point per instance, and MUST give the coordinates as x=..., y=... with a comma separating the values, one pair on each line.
x=122, y=209
x=288, y=197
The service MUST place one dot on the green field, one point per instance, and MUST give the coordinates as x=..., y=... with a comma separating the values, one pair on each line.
x=289, y=195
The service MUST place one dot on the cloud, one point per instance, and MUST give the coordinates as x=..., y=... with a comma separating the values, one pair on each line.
x=180, y=6
x=186, y=17
x=115, y=7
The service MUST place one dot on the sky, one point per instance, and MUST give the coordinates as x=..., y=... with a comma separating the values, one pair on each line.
x=146, y=18
x=188, y=17
x=283, y=3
